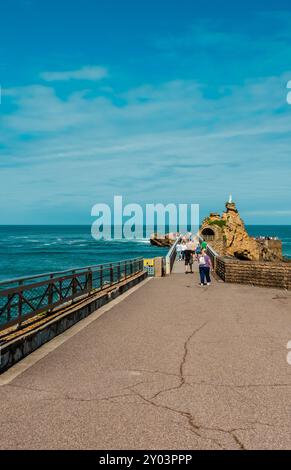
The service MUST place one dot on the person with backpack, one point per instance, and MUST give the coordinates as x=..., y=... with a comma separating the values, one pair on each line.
x=205, y=266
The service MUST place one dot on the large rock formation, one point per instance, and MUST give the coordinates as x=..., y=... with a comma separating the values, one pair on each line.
x=228, y=236
x=167, y=240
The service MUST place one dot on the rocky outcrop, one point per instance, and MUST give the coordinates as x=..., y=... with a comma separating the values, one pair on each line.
x=228, y=236
x=238, y=243
x=160, y=240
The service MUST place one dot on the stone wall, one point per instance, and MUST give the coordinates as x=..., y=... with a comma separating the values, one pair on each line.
x=257, y=273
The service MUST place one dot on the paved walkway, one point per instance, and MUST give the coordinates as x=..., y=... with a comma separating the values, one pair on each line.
x=174, y=365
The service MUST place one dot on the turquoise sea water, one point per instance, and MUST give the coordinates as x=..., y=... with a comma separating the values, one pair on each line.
x=28, y=250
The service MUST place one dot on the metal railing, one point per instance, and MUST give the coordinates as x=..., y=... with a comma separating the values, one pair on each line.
x=23, y=298
x=171, y=256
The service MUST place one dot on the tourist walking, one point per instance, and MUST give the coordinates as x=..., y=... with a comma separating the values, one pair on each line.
x=205, y=266
x=188, y=261
x=184, y=247
x=191, y=245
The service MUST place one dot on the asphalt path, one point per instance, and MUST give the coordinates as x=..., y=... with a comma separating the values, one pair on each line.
x=172, y=366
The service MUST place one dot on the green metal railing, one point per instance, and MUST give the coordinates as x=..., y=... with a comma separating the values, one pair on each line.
x=23, y=298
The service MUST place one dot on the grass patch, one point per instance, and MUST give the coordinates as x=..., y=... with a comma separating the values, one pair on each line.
x=219, y=223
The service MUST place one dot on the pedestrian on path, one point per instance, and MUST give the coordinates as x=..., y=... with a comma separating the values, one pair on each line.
x=191, y=245
x=205, y=266
x=184, y=247
x=188, y=261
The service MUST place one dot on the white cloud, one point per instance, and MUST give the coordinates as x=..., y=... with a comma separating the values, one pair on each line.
x=164, y=142
x=91, y=73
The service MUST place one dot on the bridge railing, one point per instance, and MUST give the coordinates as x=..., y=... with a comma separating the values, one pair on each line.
x=23, y=298
x=171, y=256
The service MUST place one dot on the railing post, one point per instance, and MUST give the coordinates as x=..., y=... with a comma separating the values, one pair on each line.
x=74, y=285
x=61, y=289
x=50, y=296
x=20, y=306
x=89, y=280
x=118, y=272
x=111, y=275
x=101, y=277
x=9, y=307
x=125, y=269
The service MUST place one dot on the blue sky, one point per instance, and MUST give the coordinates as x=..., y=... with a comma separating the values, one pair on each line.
x=158, y=101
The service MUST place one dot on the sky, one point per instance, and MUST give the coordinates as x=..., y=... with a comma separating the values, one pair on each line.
x=159, y=101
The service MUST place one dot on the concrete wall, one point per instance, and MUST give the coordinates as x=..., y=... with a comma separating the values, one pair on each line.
x=15, y=350
x=257, y=273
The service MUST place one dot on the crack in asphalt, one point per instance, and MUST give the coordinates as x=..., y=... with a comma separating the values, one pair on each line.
x=193, y=427
x=197, y=429
x=71, y=398
x=181, y=376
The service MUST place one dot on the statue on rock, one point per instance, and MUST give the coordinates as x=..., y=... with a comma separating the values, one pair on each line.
x=228, y=236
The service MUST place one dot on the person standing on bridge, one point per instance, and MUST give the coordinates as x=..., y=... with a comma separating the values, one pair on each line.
x=191, y=245
x=205, y=266
x=189, y=256
x=188, y=261
x=183, y=248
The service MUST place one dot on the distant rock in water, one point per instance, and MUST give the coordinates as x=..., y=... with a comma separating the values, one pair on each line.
x=162, y=241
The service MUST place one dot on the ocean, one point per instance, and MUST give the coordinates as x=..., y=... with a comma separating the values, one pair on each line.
x=29, y=250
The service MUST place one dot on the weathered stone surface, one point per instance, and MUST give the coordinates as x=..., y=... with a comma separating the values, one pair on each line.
x=237, y=241
x=163, y=240
x=228, y=236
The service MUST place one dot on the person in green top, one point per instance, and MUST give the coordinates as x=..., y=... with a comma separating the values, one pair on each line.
x=203, y=245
